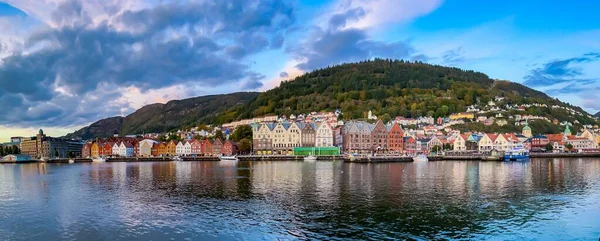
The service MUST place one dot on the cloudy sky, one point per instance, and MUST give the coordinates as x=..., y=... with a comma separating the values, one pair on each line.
x=67, y=63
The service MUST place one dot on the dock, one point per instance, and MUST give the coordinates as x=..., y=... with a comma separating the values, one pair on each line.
x=378, y=159
x=200, y=158
x=67, y=160
x=138, y=159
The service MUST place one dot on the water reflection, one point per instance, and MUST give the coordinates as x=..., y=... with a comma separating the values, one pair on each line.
x=297, y=200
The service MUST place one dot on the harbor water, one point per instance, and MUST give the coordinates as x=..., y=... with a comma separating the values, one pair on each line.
x=541, y=199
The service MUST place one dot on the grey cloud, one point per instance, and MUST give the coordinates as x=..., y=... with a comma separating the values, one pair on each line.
x=560, y=71
x=454, y=56
x=350, y=45
x=339, y=20
x=336, y=44
x=284, y=74
x=83, y=59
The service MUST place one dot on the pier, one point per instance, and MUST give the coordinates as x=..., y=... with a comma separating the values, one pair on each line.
x=378, y=159
x=138, y=159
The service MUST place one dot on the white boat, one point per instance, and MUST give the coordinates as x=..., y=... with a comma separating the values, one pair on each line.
x=420, y=158
x=310, y=158
x=71, y=161
x=228, y=158
x=98, y=159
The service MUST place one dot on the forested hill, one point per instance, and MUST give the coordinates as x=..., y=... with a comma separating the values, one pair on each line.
x=175, y=114
x=389, y=88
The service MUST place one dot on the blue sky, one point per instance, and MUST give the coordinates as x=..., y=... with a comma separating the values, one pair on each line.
x=62, y=59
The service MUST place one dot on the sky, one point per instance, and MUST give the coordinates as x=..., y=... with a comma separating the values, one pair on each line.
x=67, y=63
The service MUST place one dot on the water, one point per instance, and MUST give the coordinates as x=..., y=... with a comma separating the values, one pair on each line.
x=545, y=199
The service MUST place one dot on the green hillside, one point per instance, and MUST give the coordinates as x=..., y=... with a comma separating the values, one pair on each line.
x=393, y=88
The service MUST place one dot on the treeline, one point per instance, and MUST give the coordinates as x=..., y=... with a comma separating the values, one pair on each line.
x=8, y=150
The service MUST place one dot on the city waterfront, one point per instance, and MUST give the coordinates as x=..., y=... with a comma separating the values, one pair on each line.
x=542, y=199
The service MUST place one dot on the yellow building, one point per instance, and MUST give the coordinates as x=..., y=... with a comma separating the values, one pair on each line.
x=95, y=151
x=463, y=115
x=172, y=148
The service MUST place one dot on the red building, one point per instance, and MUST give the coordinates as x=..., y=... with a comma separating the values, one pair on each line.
x=196, y=147
x=154, y=150
x=207, y=148
x=539, y=142
x=410, y=145
x=395, y=139
x=107, y=149
x=229, y=148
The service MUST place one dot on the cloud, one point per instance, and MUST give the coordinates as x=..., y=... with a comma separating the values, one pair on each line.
x=454, y=56
x=78, y=70
x=560, y=71
x=284, y=74
x=337, y=44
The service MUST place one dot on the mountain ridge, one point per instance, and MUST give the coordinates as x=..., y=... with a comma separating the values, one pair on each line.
x=159, y=117
x=387, y=87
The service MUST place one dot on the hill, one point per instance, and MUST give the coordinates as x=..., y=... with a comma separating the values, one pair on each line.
x=165, y=117
x=393, y=88
x=389, y=88
x=597, y=114
x=102, y=128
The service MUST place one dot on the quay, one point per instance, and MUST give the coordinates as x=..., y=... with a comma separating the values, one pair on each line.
x=138, y=159
x=378, y=159
x=67, y=160
x=563, y=155
x=200, y=158
x=271, y=158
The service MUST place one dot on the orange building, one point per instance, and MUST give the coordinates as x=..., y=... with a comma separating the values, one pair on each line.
x=162, y=149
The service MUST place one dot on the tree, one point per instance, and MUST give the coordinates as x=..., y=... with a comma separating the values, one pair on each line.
x=549, y=147
x=242, y=132
x=55, y=152
x=174, y=137
x=447, y=146
x=245, y=145
x=219, y=135
x=569, y=146
x=71, y=154
x=162, y=138
x=386, y=118
x=1, y=151
x=199, y=137
x=16, y=150
x=436, y=148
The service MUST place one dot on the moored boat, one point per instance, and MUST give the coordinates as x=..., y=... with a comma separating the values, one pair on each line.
x=98, y=159
x=310, y=158
x=519, y=153
x=228, y=158
x=420, y=158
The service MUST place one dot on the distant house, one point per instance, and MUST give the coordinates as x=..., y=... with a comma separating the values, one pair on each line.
x=172, y=148
x=162, y=149
x=410, y=145
x=115, y=149
x=324, y=135
x=87, y=150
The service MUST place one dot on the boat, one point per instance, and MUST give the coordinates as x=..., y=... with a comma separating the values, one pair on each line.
x=519, y=153
x=228, y=158
x=310, y=158
x=420, y=158
x=71, y=161
x=98, y=159
x=352, y=157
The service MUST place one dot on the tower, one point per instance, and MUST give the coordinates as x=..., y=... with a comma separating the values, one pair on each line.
x=526, y=130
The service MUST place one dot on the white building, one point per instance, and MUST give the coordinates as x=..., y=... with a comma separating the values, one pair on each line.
x=324, y=135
